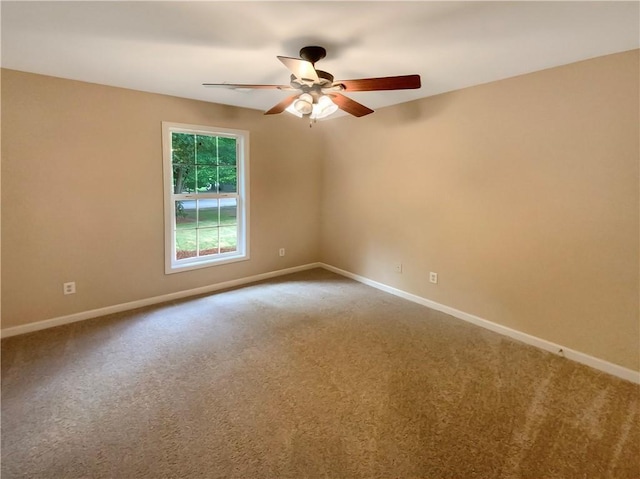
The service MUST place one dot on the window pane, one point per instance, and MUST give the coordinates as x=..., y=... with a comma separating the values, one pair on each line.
x=228, y=239
x=207, y=213
x=186, y=240
x=226, y=151
x=208, y=241
x=228, y=179
x=228, y=211
x=183, y=148
x=206, y=150
x=186, y=214
x=184, y=178
x=206, y=179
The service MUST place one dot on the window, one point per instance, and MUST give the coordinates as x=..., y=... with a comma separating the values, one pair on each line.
x=206, y=178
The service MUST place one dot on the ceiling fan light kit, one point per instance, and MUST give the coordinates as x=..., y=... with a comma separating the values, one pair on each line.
x=315, y=109
x=319, y=95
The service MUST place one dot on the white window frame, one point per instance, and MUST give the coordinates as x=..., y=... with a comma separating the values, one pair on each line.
x=173, y=265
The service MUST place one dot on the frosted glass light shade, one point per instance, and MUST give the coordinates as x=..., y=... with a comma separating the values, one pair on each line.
x=324, y=108
x=304, y=104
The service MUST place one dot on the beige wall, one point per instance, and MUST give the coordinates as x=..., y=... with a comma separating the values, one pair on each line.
x=521, y=194
x=82, y=196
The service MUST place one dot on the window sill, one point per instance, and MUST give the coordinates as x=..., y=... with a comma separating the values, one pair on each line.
x=190, y=266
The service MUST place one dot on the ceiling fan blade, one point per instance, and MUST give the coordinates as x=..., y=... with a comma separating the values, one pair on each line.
x=350, y=106
x=302, y=69
x=403, y=82
x=282, y=106
x=242, y=86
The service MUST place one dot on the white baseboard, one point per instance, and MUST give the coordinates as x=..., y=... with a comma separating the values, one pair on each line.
x=118, y=308
x=600, y=364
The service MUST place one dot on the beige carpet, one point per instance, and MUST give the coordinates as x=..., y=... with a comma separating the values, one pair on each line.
x=307, y=376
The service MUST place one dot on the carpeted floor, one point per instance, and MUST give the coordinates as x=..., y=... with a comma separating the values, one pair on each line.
x=309, y=375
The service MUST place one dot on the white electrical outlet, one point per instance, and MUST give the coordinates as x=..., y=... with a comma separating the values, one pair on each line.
x=398, y=267
x=69, y=288
x=433, y=277
x=281, y=252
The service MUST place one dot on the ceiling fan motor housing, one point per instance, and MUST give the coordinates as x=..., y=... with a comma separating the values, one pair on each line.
x=325, y=80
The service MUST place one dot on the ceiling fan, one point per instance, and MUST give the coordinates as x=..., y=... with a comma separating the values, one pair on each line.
x=317, y=94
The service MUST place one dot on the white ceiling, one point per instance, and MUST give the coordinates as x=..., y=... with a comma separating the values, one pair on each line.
x=173, y=47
